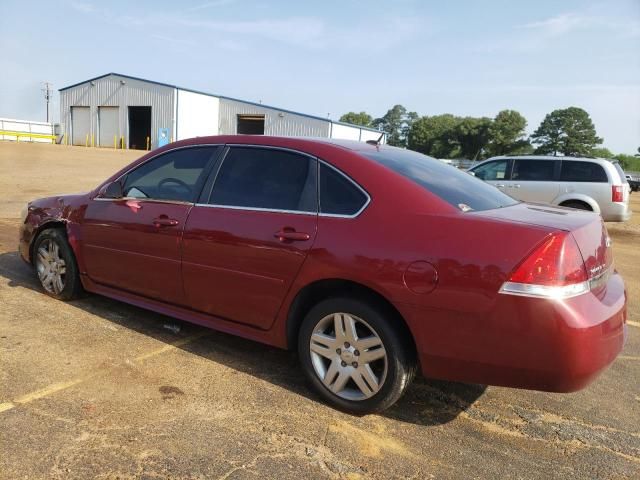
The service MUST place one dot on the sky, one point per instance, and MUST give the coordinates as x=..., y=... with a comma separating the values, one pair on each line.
x=329, y=57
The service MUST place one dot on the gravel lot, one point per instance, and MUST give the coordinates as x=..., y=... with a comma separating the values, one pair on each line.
x=98, y=389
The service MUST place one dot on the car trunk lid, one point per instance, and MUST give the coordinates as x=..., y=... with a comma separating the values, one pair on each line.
x=587, y=228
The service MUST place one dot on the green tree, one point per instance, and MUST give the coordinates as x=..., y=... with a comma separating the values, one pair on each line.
x=471, y=136
x=568, y=131
x=628, y=162
x=602, y=152
x=507, y=134
x=434, y=136
x=396, y=123
x=362, y=118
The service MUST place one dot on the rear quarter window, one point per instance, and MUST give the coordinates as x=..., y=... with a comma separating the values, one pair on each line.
x=454, y=186
x=575, y=171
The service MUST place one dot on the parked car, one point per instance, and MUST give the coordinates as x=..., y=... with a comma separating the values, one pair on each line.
x=634, y=183
x=371, y=261
x=592, y=184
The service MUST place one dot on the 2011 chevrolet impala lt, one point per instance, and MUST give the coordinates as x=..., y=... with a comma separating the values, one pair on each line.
x=371, y=260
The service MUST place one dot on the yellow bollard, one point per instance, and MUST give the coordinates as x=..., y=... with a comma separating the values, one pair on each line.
x=92, y=143
x=148, y=143
x=86, y=140
x=122, y=143
x=115, y=143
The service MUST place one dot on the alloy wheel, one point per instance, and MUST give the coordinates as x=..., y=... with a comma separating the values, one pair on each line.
x=348, y=356
x=51, y=267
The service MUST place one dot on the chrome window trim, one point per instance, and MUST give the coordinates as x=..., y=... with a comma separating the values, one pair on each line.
x=255, y=209
x=138, y=199
x=182, y=147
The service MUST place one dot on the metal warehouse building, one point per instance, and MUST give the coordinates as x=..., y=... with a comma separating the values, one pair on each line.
x=120, y=111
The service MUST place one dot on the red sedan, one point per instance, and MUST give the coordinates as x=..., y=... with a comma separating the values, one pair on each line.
x=372, y=261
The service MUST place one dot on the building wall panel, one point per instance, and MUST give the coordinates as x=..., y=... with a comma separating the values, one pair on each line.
x=276, y=122
x=197, y=114
x=111, y=91
x=345, y=132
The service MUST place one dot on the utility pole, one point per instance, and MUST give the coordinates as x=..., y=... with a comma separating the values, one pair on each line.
x=47, y=96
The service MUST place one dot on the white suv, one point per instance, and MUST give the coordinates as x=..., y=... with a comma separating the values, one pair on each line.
x=586, y=183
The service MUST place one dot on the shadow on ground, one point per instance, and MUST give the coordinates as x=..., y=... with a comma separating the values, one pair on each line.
x=427, y=402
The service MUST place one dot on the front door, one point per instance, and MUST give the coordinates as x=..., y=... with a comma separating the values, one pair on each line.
x=134, y=243
x=244, y=245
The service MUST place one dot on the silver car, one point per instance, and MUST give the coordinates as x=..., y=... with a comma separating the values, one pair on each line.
x=586, y=183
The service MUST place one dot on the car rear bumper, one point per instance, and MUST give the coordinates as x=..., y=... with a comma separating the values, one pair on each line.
x=619, y=212
x=550, y=345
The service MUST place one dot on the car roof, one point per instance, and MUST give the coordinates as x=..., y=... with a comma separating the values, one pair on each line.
x=550, y=157
x=282, y=141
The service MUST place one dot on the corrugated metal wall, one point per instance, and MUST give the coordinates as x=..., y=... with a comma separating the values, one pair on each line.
x=109, y=91
x=276, y=122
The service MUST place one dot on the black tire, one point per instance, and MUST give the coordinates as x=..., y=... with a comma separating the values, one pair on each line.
x=578, y=206
x=72, y=287
x=400, y=356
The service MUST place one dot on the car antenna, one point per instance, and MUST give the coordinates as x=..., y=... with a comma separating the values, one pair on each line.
x=376, y=142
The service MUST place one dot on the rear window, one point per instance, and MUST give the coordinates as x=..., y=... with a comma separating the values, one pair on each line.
x=454, y=186
x=575, y=171
x=623, y=176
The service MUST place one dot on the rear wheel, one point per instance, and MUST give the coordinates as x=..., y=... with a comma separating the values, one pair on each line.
x=354, y=357
x=577, y=205
x=56, y=266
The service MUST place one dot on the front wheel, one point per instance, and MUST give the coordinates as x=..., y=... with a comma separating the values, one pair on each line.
x=56, y=265
x=355, y=355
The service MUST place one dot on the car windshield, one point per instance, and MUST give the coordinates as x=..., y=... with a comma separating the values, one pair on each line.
x=454, y=186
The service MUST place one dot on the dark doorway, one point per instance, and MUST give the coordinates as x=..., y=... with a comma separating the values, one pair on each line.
x=139, y=127
x=250, y=125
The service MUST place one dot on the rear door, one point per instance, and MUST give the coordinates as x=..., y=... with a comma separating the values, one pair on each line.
x=133, y=243
x=534, y=180
x=588, y=178
x=246, y=240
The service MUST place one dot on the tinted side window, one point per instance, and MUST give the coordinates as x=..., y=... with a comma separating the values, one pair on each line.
x=533, y=170
x=171, y=176
x=573, y=171
x=266, y=178
x=496, y=170
x=338, y=195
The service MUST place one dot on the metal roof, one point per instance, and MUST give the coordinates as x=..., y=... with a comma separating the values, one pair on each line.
x=218, y=96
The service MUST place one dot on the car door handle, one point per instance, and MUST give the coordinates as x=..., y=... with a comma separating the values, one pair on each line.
x=517, y=185
x=289, y=234
x=164, y=221
x=500, y=185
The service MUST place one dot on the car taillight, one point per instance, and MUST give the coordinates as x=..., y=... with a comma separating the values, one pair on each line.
x=555, y=269
x=616, y=193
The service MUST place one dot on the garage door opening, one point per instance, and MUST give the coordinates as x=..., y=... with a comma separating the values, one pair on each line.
x=139, y=127
x=250, y=125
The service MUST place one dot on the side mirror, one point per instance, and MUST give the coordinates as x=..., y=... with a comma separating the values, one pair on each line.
x=113, y=190
x=473, y=174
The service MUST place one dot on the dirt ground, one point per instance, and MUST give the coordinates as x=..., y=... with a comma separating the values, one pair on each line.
x=99, y=389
